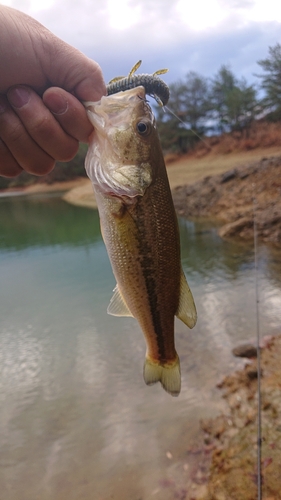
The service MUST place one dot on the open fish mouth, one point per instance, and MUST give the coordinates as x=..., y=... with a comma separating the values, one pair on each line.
x=115, y=110
x=120, y=166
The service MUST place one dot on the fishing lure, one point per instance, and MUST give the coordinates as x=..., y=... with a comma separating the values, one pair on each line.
x=154, y=86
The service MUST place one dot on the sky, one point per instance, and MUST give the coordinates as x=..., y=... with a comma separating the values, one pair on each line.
x=181, y=35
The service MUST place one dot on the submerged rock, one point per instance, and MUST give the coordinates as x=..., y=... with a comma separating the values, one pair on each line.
x=245, y=351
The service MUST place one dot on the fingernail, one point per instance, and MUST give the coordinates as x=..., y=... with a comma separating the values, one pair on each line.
x=18, y=96
x=56, y=103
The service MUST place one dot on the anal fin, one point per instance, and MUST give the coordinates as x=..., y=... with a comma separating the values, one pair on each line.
x=186, y=311
x=117, y=306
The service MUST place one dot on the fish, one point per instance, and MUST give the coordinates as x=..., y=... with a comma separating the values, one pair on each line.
x=139, y=227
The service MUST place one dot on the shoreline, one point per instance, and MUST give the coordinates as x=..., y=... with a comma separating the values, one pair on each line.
x=232, y=436
x=223, y=437
x=182, y=170
x=237, y=197
x=41, y=187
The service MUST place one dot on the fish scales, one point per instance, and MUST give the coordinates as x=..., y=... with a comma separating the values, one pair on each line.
x=143, y=265
x=139, y=228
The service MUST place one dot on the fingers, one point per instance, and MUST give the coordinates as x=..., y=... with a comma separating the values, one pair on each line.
x=24, y=151
x=32, y=136
x=20, y=151
x=69, y=112
x=40, y=124
x=8, y=165
x=35, y=131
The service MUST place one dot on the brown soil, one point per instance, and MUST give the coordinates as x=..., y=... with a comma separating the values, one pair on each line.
x=234, y=196
x=233, y=436
x=218, y=154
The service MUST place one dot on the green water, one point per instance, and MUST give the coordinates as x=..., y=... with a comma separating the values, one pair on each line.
x=76, y=419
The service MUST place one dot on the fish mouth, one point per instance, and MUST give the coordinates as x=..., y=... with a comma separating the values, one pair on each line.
x=114, y=110
x=118, y=163
x=126, y=95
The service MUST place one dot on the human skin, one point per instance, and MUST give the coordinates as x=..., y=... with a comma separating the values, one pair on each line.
x=42, y=84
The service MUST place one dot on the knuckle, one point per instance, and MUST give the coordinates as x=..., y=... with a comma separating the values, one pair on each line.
x=15, y=133
x=40, y=126
x=54, y=140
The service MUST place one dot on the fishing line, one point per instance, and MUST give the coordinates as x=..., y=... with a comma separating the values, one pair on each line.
x=259, y=431
x=186, y=126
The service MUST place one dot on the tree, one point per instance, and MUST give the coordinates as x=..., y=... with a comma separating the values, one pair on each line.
x=190, y=103
x=222, y=85
x=242, y=105
x=271, y=79
x=234, y=103
x=190, y=100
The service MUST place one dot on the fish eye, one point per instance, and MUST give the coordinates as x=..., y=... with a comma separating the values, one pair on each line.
x=143, y=128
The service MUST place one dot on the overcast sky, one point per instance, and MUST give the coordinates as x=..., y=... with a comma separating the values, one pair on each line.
x=181, y=35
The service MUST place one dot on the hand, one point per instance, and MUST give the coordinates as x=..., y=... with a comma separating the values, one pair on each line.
x=41, y=117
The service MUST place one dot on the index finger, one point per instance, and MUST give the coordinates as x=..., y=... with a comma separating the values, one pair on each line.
x=71, y=70
x=69, y=112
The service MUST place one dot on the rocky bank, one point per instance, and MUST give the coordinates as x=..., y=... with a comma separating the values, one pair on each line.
x=233, y=436
x=234, y=196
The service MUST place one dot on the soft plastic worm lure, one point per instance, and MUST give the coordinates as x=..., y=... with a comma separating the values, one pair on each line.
x=154, y=86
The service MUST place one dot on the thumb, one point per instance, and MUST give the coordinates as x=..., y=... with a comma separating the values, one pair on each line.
x=68, y=68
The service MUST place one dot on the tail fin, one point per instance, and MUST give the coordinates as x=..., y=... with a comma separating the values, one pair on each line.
x=168, y=375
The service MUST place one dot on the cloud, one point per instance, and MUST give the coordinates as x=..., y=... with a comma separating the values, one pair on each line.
x=164, y=33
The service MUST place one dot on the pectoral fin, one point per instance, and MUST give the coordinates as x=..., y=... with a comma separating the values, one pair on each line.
x=117, y=306
x=186, y=311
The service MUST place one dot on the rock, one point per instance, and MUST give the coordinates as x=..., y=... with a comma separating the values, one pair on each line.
x=243, y=174
x=229, y=198
x=245, y=351
x=235, y=228
x=228, y=176
x=252, y=373
x=214, y=427
x=201, y=491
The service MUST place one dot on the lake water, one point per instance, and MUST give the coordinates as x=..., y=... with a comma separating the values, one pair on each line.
x=77, y=420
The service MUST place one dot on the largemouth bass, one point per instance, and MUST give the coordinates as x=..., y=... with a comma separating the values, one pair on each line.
x=139, y=227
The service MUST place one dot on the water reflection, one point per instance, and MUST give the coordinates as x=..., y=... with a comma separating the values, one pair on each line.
x=44, y=220
x=77, y=420
x=203, y=251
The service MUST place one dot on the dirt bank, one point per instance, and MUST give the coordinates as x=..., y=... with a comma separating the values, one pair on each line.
x=233, y=436
x=230, y=198
x=82, y=195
